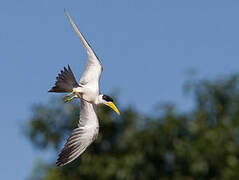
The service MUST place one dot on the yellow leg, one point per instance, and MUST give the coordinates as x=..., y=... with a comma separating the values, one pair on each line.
x=69, y=99
x=69, y=94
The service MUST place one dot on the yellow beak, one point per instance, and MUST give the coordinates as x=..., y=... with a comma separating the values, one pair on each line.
x=112, y=105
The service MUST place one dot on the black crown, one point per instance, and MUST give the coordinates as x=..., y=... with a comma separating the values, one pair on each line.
x=107, y=98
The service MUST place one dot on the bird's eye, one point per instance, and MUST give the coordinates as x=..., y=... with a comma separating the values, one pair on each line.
x=107, y=98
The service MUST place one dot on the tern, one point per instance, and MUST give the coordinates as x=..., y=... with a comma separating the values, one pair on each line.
x=88, y=91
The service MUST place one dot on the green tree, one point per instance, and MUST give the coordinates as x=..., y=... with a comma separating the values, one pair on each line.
x=201, y=144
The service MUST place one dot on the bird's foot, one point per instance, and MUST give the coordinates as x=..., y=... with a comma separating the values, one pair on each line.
x=72, y=92
x=69, y=99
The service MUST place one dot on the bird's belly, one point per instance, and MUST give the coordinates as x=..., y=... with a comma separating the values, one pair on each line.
x=90, y=95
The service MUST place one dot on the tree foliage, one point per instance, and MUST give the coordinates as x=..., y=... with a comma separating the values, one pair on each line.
x=201, y=144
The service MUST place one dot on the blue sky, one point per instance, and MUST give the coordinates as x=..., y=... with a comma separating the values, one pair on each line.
x=145, y=48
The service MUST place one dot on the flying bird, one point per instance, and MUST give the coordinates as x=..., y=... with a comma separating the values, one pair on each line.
x=87, y=89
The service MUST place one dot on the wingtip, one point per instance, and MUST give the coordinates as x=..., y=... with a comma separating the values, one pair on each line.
x=59, y=164
x=69, y=68
x=66, y=12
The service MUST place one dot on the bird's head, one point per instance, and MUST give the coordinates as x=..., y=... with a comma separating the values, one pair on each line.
x=108, y=101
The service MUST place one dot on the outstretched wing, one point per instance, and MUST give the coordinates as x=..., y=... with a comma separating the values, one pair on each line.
x=93, y=68
x=82, y=136
x=65, y=81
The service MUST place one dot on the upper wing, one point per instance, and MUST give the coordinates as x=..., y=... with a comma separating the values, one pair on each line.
x=93, y=68
x=82, y=136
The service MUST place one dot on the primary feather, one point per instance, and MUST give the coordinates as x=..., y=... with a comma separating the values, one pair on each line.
x=65, y=81
x=94, y=68
x=82, y=136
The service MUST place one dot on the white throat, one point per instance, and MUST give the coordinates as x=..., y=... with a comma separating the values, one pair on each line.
x=99, y=100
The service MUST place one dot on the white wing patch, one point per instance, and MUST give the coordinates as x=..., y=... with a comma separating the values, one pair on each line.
x=82, y=136
x=93, y=68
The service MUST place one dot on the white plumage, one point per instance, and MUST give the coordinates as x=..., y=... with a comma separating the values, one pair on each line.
x=89, y=80
x=88, y=91
x=82, y=136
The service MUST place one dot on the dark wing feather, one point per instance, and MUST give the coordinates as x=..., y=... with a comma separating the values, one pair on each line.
x=82, y=136
x=65, y=81
x=75, y=146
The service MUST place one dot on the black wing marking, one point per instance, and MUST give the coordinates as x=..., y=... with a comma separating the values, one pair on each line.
x=65, y=81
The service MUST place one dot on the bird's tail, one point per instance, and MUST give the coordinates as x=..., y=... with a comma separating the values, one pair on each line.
x=65, y=81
